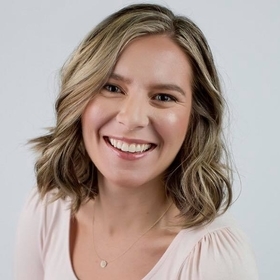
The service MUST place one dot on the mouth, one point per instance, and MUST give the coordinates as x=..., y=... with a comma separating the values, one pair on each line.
x=134, y=148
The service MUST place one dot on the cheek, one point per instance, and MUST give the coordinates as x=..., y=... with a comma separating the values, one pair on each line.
x=176, y=122
x=91, y=112
x=94, y=116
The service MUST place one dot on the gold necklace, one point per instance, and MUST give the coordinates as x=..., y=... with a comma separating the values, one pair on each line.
x=103, y=262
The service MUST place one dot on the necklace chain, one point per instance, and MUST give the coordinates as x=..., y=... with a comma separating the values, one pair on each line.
x=104, y=263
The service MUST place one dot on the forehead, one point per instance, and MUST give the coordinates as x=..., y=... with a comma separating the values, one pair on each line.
x=154, y=58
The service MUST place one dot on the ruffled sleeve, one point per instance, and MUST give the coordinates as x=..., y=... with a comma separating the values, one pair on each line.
x=223, y=254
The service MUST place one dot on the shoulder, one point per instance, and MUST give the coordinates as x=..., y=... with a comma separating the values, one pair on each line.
x=219, y=250
x=39, y=213
x=35, y=203
x=39, y=221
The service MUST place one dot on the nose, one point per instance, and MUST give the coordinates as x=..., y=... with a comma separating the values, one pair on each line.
x=133, y=113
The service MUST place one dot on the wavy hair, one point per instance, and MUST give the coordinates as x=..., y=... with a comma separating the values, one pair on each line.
x=199, y=179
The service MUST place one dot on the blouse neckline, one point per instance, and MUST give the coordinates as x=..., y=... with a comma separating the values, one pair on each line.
x=155, y=268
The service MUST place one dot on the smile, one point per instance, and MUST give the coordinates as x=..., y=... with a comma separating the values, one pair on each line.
x=129, y=147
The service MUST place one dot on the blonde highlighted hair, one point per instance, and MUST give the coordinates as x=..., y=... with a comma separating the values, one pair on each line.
x=199, y=179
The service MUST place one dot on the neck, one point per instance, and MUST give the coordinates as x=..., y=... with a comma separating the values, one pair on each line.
x=132, y=209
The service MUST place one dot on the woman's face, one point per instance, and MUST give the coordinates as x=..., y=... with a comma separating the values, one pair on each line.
x=134, y=127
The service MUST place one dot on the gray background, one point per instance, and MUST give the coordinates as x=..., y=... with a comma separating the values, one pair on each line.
x=37, y=37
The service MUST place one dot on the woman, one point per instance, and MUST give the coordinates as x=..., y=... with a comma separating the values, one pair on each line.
x=131, y=181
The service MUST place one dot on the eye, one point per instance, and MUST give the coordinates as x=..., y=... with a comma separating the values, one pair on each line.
x=112, y=88
x=162, y=97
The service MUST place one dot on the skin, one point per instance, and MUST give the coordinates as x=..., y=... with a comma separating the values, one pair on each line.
x=147, y=100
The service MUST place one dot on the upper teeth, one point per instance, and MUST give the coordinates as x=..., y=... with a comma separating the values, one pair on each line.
x=132, y=148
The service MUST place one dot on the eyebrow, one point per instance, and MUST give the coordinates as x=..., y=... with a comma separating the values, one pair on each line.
x=120, y=78
x=169, y=87
x=156, y=86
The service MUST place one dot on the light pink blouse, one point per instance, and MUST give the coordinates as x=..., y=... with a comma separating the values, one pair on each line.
x=218, y=251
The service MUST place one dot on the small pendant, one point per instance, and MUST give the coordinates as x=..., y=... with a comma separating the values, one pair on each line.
x=103, y=263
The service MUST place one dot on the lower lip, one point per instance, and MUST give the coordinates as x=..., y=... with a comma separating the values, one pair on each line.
x=127, y=155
